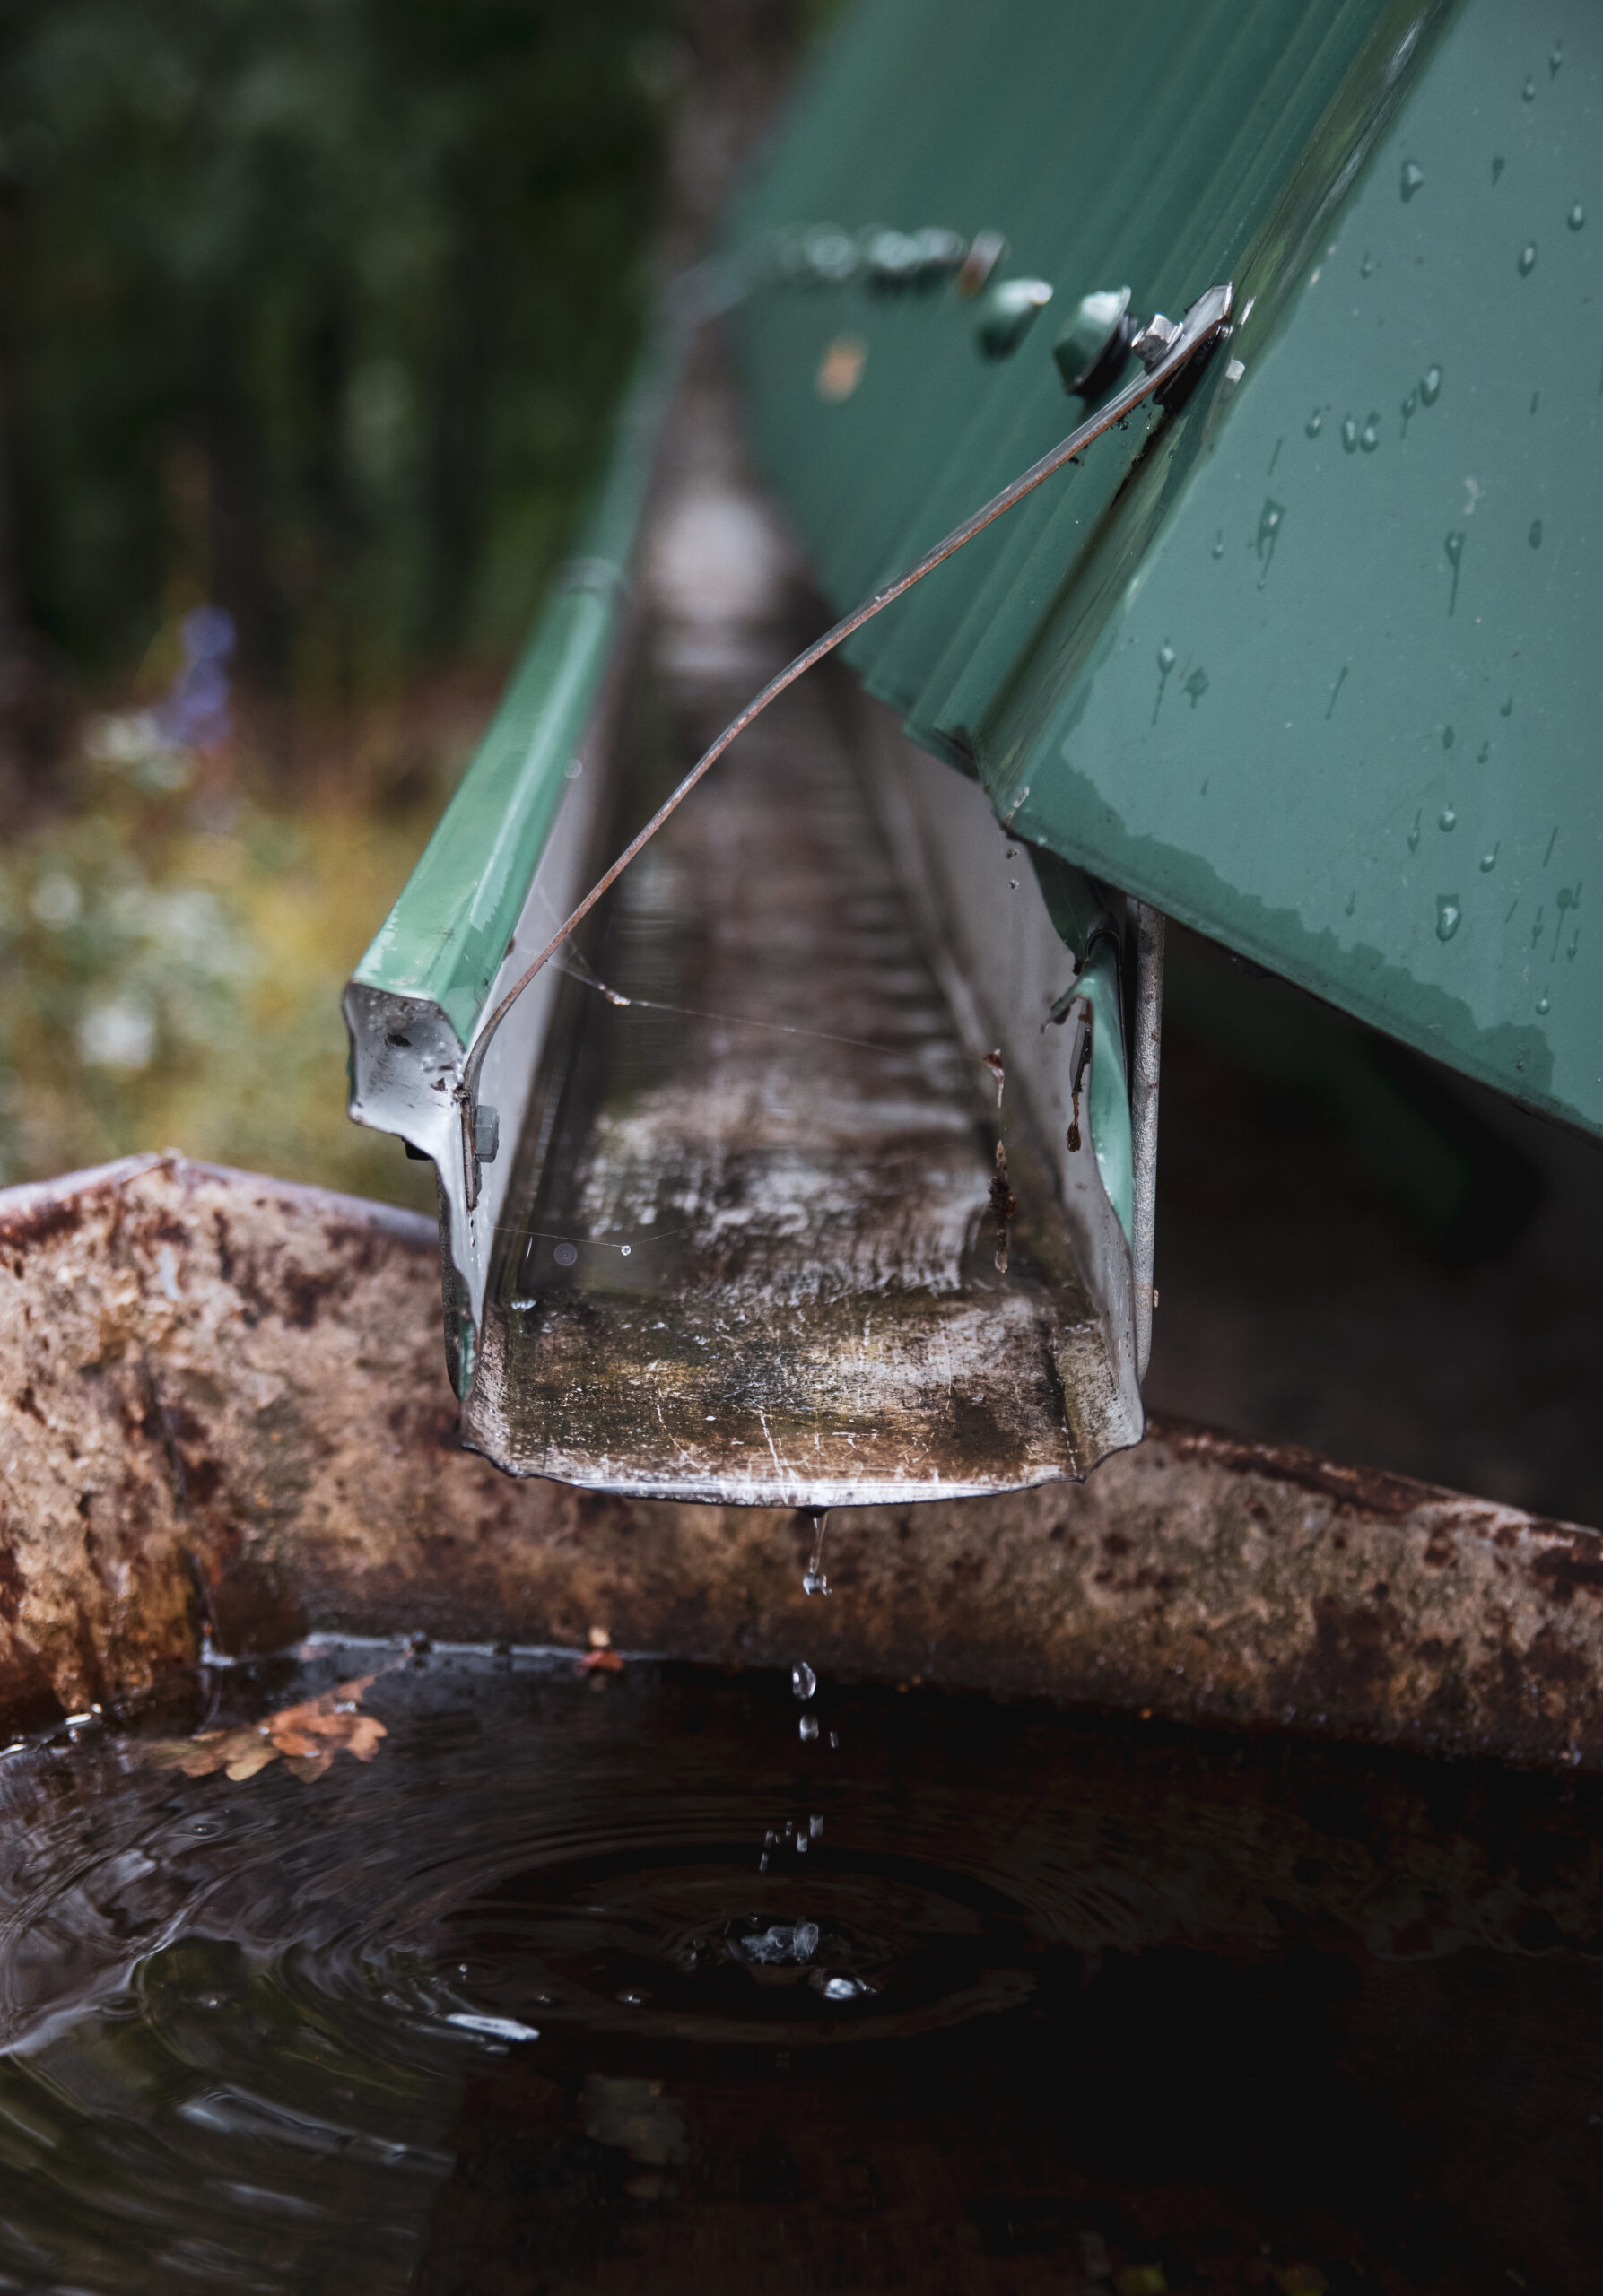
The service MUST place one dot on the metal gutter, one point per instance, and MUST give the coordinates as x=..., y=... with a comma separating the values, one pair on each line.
x=513, y=843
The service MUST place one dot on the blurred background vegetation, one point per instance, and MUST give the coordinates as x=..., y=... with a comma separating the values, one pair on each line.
x=313, y=317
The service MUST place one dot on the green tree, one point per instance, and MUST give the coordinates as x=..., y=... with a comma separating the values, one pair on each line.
x=314, y=310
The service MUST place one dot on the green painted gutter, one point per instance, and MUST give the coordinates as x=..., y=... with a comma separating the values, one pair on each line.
x=445, y=938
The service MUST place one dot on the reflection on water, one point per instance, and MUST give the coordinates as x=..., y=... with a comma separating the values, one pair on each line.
x=605, y=1980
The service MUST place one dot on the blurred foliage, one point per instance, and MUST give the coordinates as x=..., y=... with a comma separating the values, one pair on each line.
x=314, y=311
x=171, y=955
x=314, y=317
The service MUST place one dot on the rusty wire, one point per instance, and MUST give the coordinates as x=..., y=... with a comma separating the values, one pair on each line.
x=1207, y=319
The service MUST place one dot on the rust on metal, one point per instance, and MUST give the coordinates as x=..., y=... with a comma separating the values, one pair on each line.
x=279, y=1345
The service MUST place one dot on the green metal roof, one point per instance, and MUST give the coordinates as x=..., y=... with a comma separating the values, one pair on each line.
x=1309, y=663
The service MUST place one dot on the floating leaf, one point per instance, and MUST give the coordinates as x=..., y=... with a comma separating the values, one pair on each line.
x=306, y=1736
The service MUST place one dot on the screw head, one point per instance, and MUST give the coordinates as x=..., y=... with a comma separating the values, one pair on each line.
x=1007, y=313
x=1092, y=344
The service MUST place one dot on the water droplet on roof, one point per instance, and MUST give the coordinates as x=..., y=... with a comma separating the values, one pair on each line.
x=1576, y=216
x=1447, y=916
x=1527, y=258
x=1413, y=178
x=1429, y=386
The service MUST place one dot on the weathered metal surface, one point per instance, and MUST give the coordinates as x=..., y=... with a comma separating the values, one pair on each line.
x=742, y=1231
x=219, y=1391
x=750, y=1251
x=1310, y=665
x=756, y=1254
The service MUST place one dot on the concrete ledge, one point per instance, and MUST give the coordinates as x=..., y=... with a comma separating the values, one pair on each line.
x=222, y=1401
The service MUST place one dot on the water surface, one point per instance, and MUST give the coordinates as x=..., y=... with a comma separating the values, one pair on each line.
x=1018, y=2002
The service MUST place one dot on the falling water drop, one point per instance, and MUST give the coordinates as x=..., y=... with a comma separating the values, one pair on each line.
x=1414, y=835
x=814, y=1581
x=806, y=1729
x=803, y=1681
x=1535, y=536
x=1527, y=258
x=1489, y=861
x=1349, y=434
x=1219, y=543
x=1366, y=268
x=1410, y=408
x=1413, y=178
x=1556, y=60
x=1576, y=216
x=1447, y=916
x=1314, y=424
x=1530, y=90
x=1447, y=818
x=1166, y=659
x=1429, y=386
x=1369, y=438
x=1544, y=1002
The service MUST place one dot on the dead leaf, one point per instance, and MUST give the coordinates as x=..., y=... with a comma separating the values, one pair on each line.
x=307, y=1767
x=363, y=1740
x=601, y=1661
x=307, y=1736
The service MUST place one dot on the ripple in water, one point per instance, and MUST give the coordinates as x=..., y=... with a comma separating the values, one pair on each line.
x=1018, y=2003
